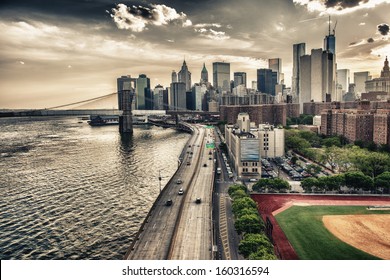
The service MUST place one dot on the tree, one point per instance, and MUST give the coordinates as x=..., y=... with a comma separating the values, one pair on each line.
x=262, y=254
x=238, y=194
x=262, y=185
x=357, y=180
x=241, y=203
x=332, y=183
x=249, y=224
x=297, y=143
x=247, y=211
x=383, y=181
x=280, y=185
x=308, y=184
x=311, y=137
x=372, y=163
x=313, y=169
x=331, y=142
x=236, y=187
x=252, y=242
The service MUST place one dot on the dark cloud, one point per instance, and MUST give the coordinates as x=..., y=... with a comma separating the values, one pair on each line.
x=383, y=29
x=343, y=4
x=85, y=9
x=370, y=40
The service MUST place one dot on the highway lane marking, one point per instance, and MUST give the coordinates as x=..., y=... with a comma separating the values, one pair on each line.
x=223, y=230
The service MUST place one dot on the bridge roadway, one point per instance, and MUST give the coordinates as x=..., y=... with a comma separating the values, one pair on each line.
x=165, y=226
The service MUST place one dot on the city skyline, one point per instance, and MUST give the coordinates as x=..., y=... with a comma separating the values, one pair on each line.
x=58, y=53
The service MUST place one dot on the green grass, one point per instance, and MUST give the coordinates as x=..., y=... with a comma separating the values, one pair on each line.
x=310, y=239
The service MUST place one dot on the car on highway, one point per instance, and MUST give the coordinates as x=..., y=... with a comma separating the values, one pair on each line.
x=180, y=192
x=198, y=200
x=168, y=202
x=179, y=181
x=188, y=163
x=205, y=165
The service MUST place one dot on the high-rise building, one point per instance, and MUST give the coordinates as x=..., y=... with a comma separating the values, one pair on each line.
x=343, y=79
x=330, y=41
x=298, y=51
x=304, y=84
x=320, y=84
x=124, y=83
x=184, y=76
x=143, y=96
x=239, y=79
x=198, y=91
x=360, y=79
x=204, y=75
x=178, y=96
x=221, y=76
x=174, y=76
x=266, y=81
x=160, y=98
x=275, y=64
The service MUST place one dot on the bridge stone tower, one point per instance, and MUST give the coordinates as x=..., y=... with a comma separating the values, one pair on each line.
x=125, y=98
x=126, y=120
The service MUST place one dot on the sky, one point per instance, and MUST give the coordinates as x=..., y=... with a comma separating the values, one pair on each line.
x=63, y=51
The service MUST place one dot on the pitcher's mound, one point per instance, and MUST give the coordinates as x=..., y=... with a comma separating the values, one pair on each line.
x=369, y=233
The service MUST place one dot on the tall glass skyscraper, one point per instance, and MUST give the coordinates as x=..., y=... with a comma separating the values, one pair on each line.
x=221, y=76
x=143, y=93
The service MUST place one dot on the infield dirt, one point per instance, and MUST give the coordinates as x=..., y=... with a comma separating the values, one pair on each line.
x=369, y=233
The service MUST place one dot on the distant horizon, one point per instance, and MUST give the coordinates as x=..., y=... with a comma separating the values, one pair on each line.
x=58, y=53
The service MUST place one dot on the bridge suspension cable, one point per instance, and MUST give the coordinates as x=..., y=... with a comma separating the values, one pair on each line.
x=79, y=102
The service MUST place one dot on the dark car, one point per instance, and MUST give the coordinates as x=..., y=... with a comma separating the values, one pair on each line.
x=168, y=202
x=198, y=200
x=205, y=165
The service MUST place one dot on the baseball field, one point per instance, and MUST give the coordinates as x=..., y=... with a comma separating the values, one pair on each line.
x=328, y=227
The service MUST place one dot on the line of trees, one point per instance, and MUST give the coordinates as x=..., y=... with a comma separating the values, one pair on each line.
x=336, y=154
x=354, y=180
x=255, y=245
x=276, y=185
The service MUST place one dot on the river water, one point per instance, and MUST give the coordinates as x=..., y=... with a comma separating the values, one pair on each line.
x=71, y=191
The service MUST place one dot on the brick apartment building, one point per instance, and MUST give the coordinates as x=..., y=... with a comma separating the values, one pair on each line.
x=368, y=122
x=274, y=114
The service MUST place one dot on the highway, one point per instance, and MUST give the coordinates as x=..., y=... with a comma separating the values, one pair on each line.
x=193, y=239
x=181, y=230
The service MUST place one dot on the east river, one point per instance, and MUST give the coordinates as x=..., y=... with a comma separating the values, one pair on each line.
x=71, y=191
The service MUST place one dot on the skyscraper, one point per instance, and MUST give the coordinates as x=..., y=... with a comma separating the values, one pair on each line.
x=174, y=76
x=275, y=64
x=304, y=84
x=343, y=79
x=298, y=51
x=330, y=40
x=178, y=97
x=221, y=76
x=360, y=79
x=204, y=75
x=143, y=92
x=320, y=84
x=239, y=79
x=184, y=76
x=266, y=81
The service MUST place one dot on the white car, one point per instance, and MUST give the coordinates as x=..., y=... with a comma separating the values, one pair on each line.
x=181, y=192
